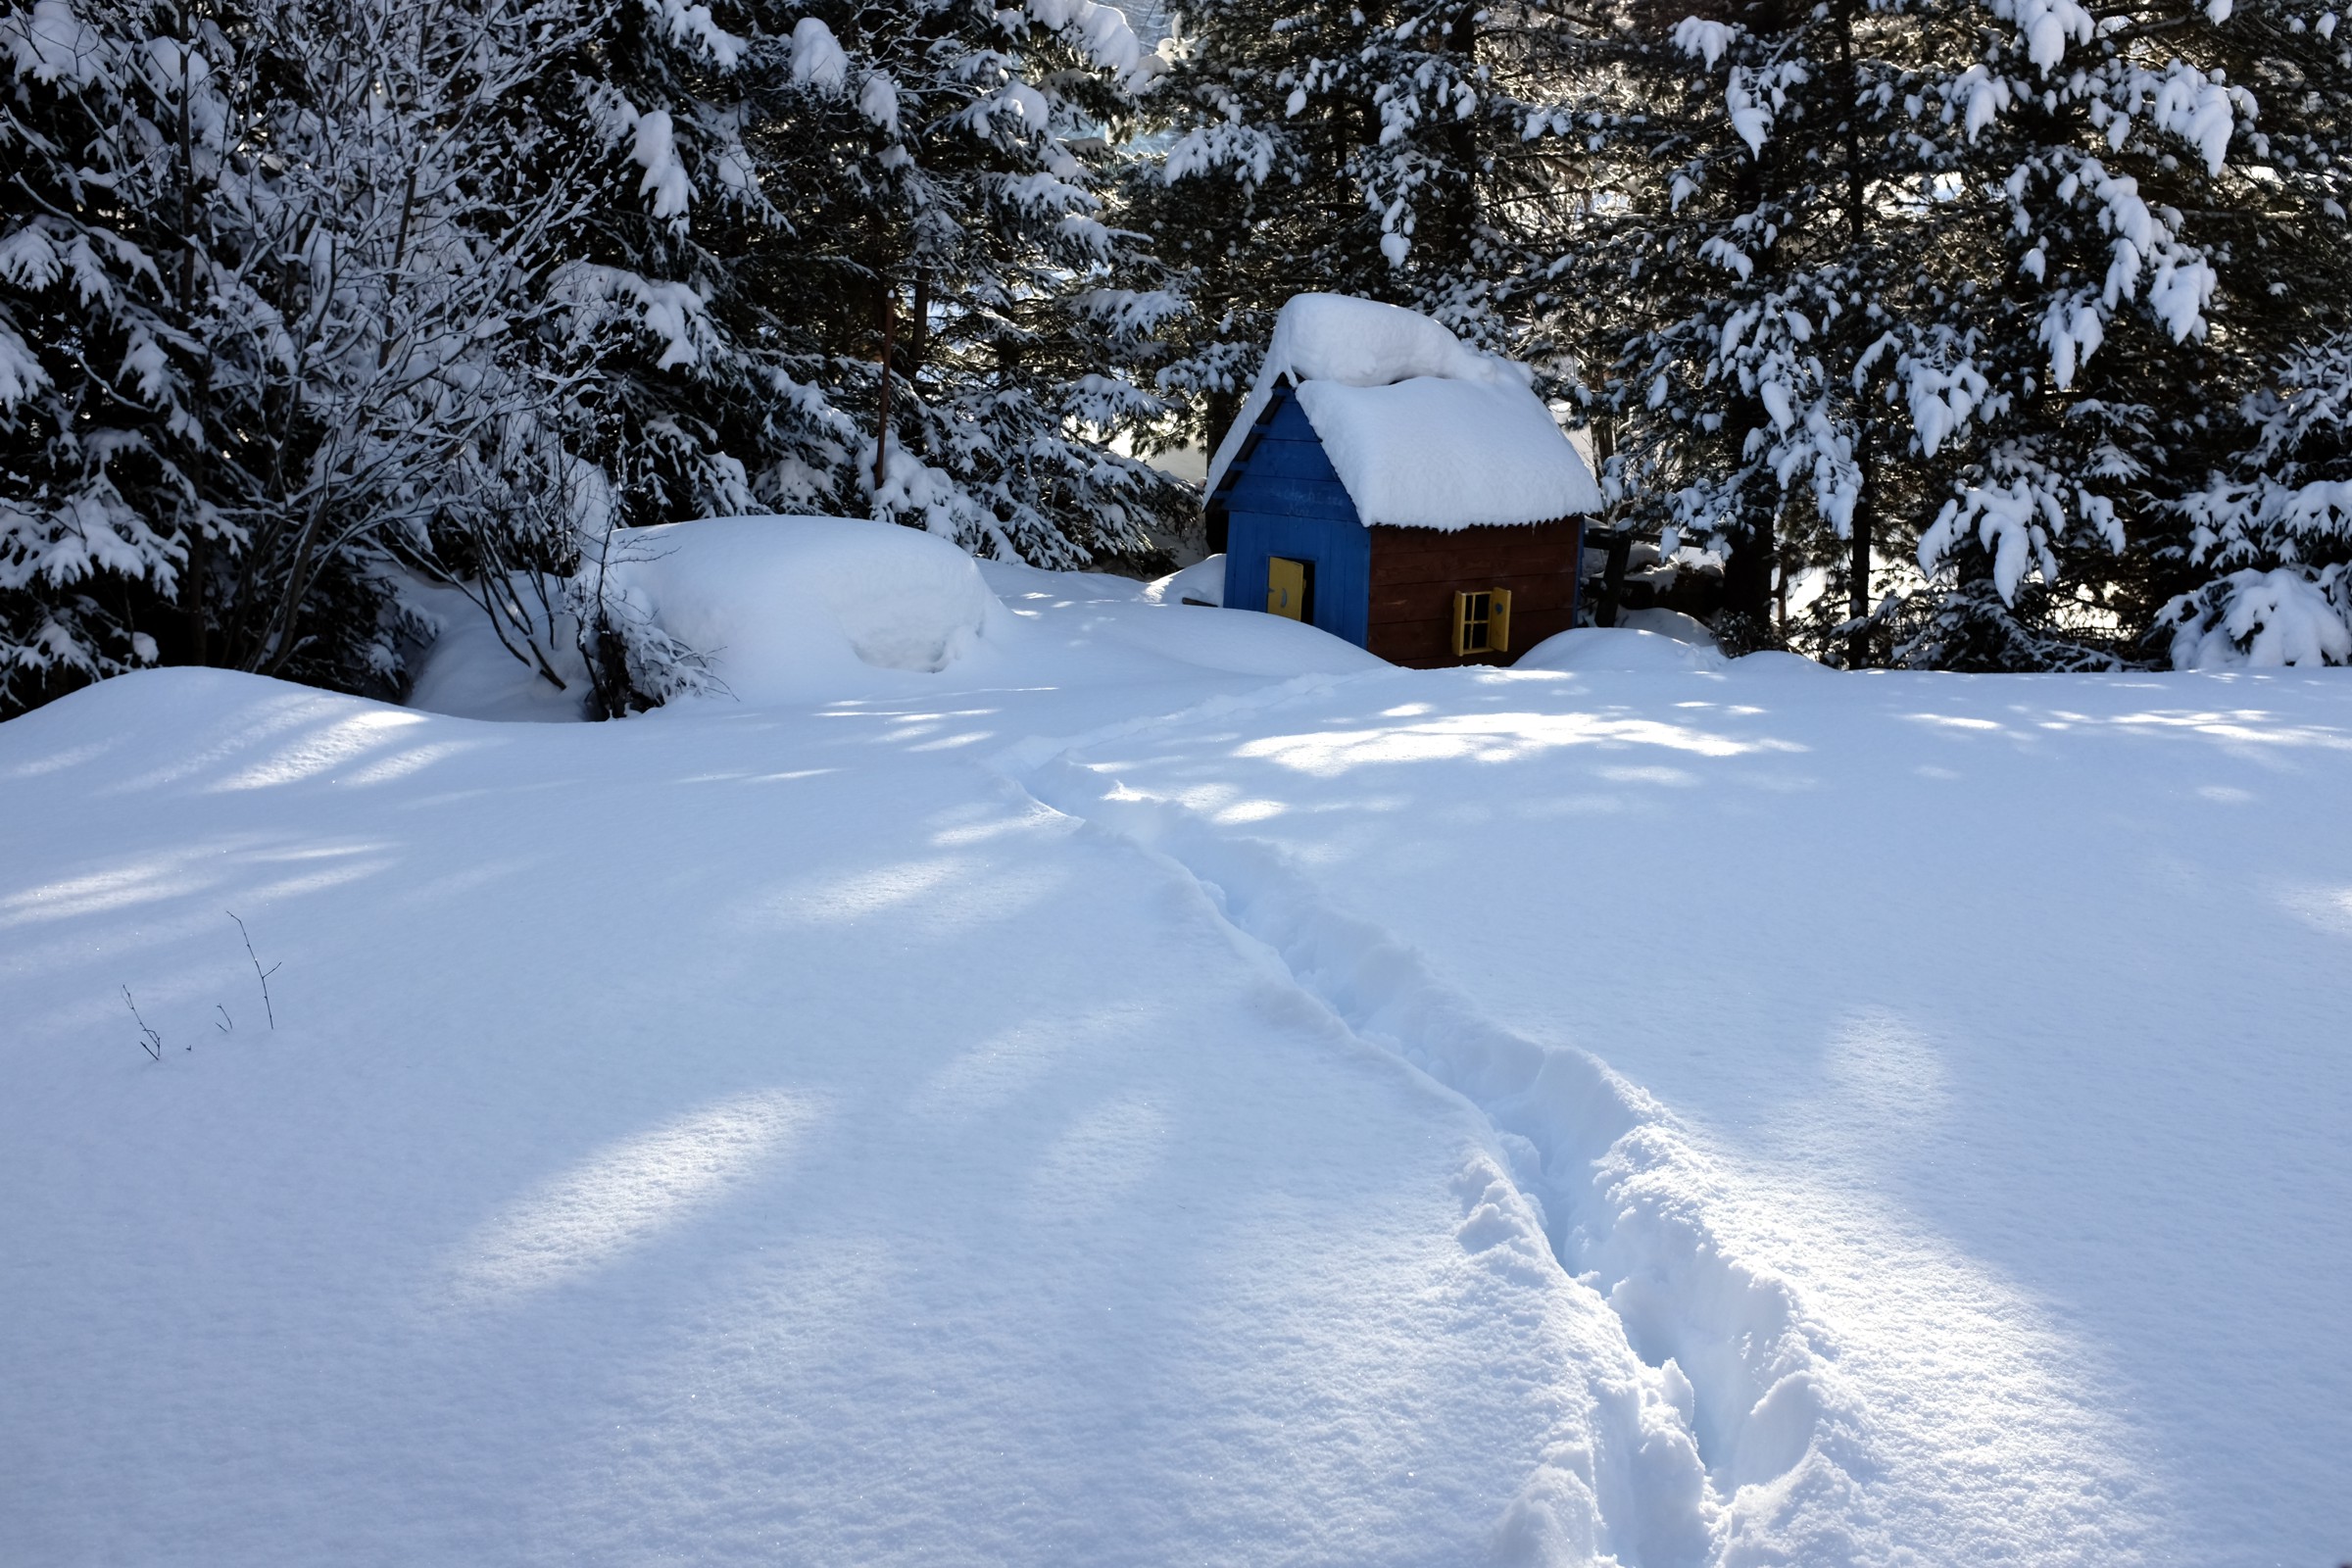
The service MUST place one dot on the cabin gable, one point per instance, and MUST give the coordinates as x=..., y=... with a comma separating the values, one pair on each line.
x=1282, y=497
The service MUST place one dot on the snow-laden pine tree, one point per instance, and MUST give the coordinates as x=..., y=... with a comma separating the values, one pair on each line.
x=1789, y=257
x=680, y=408
x=299, y=304
x=1756, y=266
x=1378, y=150
x=1949, y=275
x=935, y=176
x=2256, y=559
x=2142, y=213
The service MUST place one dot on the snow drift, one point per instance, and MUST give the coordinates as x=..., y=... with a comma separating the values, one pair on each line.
x=1200, y=583
x=789, y=609
x=1620, y=649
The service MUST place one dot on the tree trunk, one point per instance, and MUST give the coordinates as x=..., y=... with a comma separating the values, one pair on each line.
x=1747, y=576
x=1460, y=203
x=882, y=421
x=1221, y=408
x=1866, y=503
x=918, y=330
x=195, y=582
x=1857, y=580
x=1745, y=621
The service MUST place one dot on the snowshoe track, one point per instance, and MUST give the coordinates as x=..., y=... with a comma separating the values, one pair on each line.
x=1622, y=1194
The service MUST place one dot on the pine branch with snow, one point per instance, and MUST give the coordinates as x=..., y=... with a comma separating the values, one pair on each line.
x=2274, y=527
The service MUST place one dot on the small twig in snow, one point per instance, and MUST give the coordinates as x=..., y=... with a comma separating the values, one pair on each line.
x=226, y=1025
x=149, y=1041
x=267, y=1008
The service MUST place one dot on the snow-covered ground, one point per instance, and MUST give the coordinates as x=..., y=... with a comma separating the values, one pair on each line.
x=1165, y=1087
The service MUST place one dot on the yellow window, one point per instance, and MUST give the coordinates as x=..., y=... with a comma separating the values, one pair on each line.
x=1285, y=587
x=1481, y=622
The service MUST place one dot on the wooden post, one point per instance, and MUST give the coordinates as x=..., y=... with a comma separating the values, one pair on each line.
x=1612, y=581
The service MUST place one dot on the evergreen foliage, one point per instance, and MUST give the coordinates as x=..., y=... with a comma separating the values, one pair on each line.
x=934, y=171
x=1967, y=282
x=2277, y=522
x=300, y=304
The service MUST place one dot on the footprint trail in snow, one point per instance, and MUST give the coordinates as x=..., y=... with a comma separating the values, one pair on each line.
x=1746, y=1444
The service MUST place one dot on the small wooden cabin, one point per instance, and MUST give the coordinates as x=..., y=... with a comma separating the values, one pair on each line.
x=1395, y=489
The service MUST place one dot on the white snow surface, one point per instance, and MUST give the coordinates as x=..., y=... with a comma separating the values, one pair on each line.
x=1673, y=624
x=1336, y=337
x=1202, y=582
x=1165, y=1087
x=1423, y=430
x=1432, y=453
x=1625, y=649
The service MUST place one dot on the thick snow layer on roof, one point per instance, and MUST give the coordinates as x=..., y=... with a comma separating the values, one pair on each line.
x=1436, y=454
x=1333, y=337
x=1424, y=431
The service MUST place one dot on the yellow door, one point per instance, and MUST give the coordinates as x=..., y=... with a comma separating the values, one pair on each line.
x=1285, y=587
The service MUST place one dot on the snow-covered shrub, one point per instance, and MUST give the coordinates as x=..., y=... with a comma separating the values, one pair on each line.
x=634, y=663
x=790, y=607
x=2285, y=615
x=262, y=276
x=2278, y=529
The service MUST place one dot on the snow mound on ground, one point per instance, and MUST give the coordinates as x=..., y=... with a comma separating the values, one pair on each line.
x=1619, y=649
x=1080, y=627
x=1011, y=580
x=789, y=609
x=1669, y=623
x=1202, y=580
x=1774, y=661
x=1241, y=642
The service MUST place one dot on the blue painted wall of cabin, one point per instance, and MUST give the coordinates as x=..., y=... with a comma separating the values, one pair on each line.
x=1285, y=499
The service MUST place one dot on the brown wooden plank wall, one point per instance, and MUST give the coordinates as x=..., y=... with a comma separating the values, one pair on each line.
x=1416, y=571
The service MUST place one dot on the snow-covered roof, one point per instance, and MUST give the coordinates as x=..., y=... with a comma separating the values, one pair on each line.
x=1423, y=431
